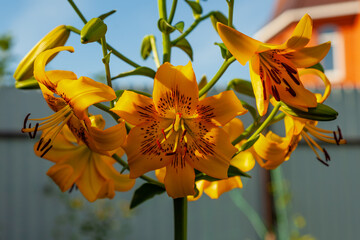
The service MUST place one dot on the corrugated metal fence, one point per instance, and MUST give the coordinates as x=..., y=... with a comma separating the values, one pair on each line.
x=31, y=206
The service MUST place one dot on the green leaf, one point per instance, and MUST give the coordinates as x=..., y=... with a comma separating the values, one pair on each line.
x=105, y=15
x=184, y=45
x=318, y=66
x=202, y=82
x=224, y=51
x=234, y=171
x=320, y=113
x=144, y=71
x=106, y=59
x=164, y=26
x=195, y=6
x=145, y=192
x=146, y=49
x=218, y=17
x=248, y=144
x=118, y=94
x=179, y=26
x=241, y=86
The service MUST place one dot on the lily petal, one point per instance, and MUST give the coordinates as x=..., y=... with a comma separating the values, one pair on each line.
x=242, y=47
x=302, y=33
x=135, y=108
x=216, y=188
x=121, y=182
x=221, y=108
x=175, y=90
x=234, y=128
x=179, y=181
x=309, y=56
x=209, y=149
x=260, y=87
x=41, y=61
x=244, y=161
x=82, y=93
x=143, y=148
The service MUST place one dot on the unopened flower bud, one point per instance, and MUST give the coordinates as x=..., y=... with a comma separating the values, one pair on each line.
x=57, y=37
x=93, y=30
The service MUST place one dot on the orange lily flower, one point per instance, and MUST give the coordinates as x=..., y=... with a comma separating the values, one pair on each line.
x=78, y=165
x=243, y=161
x=272, y=150
x=69, y=97
x=273, y=68
x=178, y=131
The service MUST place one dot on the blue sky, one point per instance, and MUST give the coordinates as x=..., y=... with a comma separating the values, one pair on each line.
x=28, y=21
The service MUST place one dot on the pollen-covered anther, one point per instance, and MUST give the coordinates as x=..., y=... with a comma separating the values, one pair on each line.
x=327, y=156
x=322, y=161
x=275, y=93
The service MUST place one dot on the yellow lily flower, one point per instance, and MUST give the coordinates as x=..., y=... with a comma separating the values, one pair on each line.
x=272, y=150
x=273, y=68
x=178, y=131
x=75, y=96
x=78, y=165
x=243, y=161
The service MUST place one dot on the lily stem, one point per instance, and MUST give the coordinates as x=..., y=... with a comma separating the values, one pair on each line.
x=217, y=76
x=180, y=218
x=109, y=47
x=165, y=35
x=231, y=11
x=77, y=10
x=106, y=61
x=172, y=12
x=189, y=30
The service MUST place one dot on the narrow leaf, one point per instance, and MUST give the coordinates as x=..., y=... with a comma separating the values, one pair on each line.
x=321, y=113
x=180, y=26
x=105, y=15
x=234, y=171
x=144, y=193
x=224, y=51
x=184, y=45
x=144, y=71
x=249, y=144
x=241, y=86
x=218, y=17
x=319, y=67
x=195, y=6
x=164, y=26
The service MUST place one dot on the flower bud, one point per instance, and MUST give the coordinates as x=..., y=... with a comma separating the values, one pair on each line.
x=321, y=112
x=57, y=37
x=93, y=31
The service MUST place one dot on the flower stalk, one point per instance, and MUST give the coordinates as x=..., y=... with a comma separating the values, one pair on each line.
x=180, y=218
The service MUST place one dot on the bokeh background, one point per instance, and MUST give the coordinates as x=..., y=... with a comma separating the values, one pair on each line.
x=316, y=202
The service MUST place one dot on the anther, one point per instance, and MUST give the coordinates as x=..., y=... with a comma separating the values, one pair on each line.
x=327, y=156
x=275, y=77
x=35, y=131
x=320, y=160
x=30, y=134
x=25, y=121
x=45, y=145
x=264, y=89
x=42, y=155
x=340, y=134
x=72, y=188
x=40, y=142
x=337, y=140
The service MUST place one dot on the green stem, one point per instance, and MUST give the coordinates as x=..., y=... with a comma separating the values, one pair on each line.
x=165, y=36
x=180, y=218
x=154, y=51
x=261, y=128
x=282, y=221
x=107, y=109
x=189, y=30
x=172, y=12
x=107, y=66
x=126, y=166
x=110, y=48
x=217, y=76
x=77, y=10
x=250, y=213
x=231, y=11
